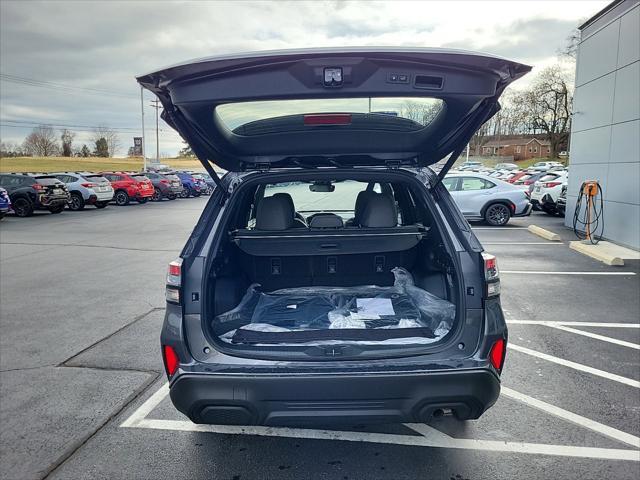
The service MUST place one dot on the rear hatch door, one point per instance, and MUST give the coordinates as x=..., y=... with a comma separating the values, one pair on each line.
x=331, y=107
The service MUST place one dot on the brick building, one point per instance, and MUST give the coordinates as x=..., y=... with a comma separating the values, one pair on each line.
x=518, y=148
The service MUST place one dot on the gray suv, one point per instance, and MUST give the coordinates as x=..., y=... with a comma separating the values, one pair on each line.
x=331, y=277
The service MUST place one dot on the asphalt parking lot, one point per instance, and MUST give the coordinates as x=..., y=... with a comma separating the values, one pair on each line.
x=84, y=395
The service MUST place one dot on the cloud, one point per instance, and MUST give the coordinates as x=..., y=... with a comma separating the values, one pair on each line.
x=104, y=45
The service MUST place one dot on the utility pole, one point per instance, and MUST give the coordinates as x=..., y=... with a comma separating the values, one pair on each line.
x=156, y=104
x=144, y=157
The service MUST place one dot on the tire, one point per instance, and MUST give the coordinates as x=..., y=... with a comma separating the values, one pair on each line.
x=173, y=196
x=549, y=210
x=196, y=194
x=144, y=200
x=22, y=207
x=497, y=214
x=2, y=215
x=157, y=195
x=122, y=198
x=77, y=202
x=57, y=209
x=184, y=193
x=101, y=204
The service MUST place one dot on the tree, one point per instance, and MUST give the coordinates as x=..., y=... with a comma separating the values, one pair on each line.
x=548, y=103
x=102, y=148
x=570, y=50
x=10, y=149
x=67, y=137
x=186, y=151
x=110, y=136
x=85, y=152
x=41, y=142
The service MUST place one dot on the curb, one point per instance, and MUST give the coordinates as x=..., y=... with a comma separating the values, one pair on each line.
x=546, y=234
x=597, y=253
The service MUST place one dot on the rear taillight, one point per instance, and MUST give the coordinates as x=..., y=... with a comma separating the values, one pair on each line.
x=497, y=353
x=552, y=184
x=166, y=182
x=174, y=280
x=170, y=359
x=491, y=274
x=38, y=187
x=89, y=185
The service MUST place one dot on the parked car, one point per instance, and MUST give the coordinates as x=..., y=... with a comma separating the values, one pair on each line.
x=507, y=166
x=561, y=203
x=480, y=197
x=546, y=191
x=470, y=164
x=279, y=221
x=191, y=188
x=201, y=182
x=516, y=176
x=129, y=186
x=5, y=203
x=546, y=165
x=86, y=189
x=165, y=186
x=211, y=184
x=39, y=192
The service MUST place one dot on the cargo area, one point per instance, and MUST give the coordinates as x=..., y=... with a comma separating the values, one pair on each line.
x=332, y=262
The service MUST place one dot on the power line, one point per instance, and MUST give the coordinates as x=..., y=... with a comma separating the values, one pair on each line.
x=35, y=123
x=61, y=87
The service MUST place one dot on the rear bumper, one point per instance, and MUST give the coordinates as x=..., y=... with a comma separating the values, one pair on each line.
x=52, y=201
x=526, y=212
x=322, y=399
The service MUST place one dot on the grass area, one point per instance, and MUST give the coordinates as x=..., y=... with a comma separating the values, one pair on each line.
x=90, y=164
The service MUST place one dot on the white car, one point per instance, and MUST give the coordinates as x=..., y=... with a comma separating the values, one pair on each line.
x=507, y=166
x=546, y=191
x=544, y=166
x=481, y=197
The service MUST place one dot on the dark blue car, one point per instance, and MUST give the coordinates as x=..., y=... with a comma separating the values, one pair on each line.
x=190, y=184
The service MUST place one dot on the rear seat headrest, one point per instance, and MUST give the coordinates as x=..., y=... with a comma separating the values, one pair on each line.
x=379, y=211
x=361, y=201
x=275, y=213
x=326, y=220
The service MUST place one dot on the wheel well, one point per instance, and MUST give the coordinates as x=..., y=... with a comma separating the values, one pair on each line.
x=507, y=203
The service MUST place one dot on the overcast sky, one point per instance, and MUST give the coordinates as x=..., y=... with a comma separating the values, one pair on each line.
x=98, y=47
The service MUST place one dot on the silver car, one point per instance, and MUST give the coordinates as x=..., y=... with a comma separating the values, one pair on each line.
x=480, y=197
x=86, y=189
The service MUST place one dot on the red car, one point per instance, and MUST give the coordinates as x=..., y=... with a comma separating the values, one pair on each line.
x=516, y=177
x=129, y=186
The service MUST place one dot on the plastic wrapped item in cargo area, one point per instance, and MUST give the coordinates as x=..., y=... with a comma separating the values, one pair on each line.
x=359, y=314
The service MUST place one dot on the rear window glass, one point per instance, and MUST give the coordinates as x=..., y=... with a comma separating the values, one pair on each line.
x=47, y=180
x=419, y=109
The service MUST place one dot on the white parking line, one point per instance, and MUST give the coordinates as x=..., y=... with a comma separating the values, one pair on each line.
x=576, y=366
x=575, y=324
x=597, y=336
x=572, y=417
x=532, y=272
x=499, y=228
x=429, y=436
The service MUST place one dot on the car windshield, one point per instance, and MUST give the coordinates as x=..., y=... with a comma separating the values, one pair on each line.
x=340, y=201
x=420, y=110
x=96, y=179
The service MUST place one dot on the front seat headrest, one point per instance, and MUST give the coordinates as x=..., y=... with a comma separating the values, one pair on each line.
x=379, y=211
x=275, y=213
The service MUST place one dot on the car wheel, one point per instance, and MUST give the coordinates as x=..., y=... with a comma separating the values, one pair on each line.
x=2, y=215
x=143, y=200
x=549, y=210
x=57, y=209
x=173, y=196
x=122, y=198
x=497, y=214
x=196, y=194
x=157, y=195
x=22, y=207
x=184, y=193
x=101, y=204
x=77, y=202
